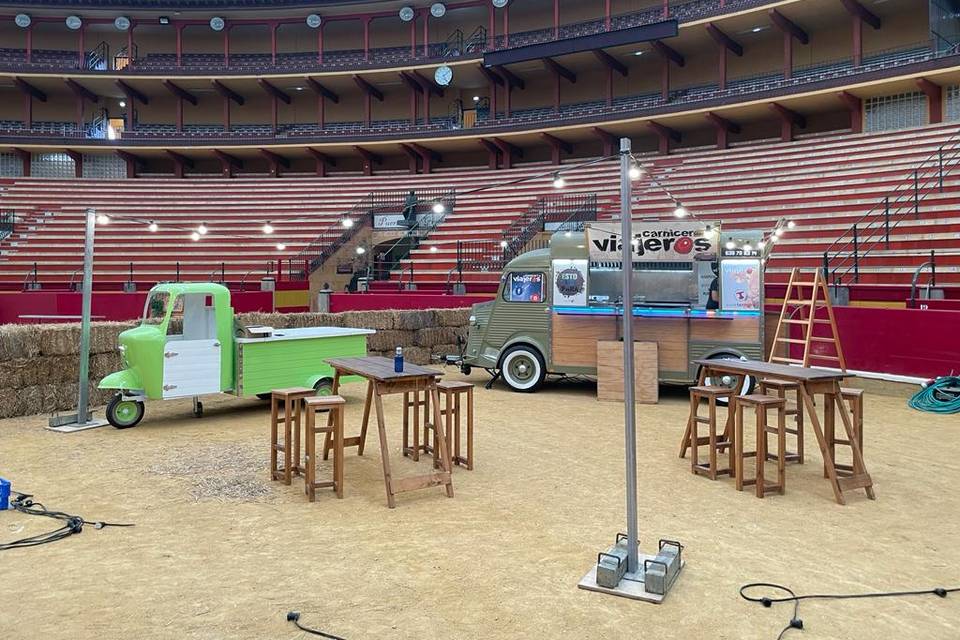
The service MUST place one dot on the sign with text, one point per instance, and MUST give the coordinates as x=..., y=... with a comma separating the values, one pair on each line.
x=653, y=242
x=570, y=282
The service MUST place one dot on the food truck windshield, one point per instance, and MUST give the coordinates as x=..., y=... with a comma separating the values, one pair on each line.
x=524, y=287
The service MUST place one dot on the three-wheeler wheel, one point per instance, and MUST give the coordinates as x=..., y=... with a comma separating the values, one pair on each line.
x=124, y=413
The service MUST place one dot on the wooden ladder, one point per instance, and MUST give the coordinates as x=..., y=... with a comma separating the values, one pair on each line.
x=803, y=299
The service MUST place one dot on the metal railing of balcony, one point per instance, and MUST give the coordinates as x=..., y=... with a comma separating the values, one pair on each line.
x=8, y=224
x=872, y=231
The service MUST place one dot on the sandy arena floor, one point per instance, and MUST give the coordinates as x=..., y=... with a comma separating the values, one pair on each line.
x=500, y=560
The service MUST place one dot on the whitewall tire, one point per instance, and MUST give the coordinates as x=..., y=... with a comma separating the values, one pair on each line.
x=523, y=368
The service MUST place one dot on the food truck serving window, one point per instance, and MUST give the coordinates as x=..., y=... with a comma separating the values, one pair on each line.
x=524, y=286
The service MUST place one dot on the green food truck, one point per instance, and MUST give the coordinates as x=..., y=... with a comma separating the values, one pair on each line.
x=188, y=345
x=697, y=293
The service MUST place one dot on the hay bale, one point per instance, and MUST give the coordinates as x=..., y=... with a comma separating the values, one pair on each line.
x=19, y=341
x=59, y=339
x=51, y=369
x=105, y=336
x=444, y=350
x=389, y=340
x=453, y=317
x=433, y=336
x=415, y=319
x=377, y=320
x=11, y=373
x=416, y=355
x=103, y=364
x=11, y=403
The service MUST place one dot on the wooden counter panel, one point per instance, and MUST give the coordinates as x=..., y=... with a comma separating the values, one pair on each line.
x=745, y=329
x=574, y=342
x=670, y=334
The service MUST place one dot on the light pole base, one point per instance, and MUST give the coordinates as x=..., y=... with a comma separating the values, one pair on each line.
x=69, y=423
x=630, y=586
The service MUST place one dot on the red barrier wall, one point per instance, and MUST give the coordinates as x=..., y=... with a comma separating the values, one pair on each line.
x=380, y=301
x=109, y=305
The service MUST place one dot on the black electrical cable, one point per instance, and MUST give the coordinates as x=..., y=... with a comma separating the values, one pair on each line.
x=797, y=623
x=294, y=617
x=71, y=524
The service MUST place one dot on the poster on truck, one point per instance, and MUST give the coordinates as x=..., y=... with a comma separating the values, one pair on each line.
x=570, y=282
x=740, y=285
x=654, y=242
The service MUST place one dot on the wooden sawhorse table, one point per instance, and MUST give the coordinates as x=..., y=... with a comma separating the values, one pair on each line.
x=811, y=381
x=382, y=380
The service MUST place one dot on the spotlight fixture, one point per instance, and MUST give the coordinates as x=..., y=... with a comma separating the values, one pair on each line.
x=74, y=22
x=361, y=251
x=202, y=229
x=791, y=224
x=635, y=171
x=407, y=14
x=438, y=207
x=164, y=20
x=281, y=246
x=747, y=248
x=314, y=21
x=499, y=4
x=680, y=211
x=217, y=23
x=503, y=244
x=438, y=9
x=558, y=181
x=731, y=245
x=102, y=218
x=122, y=103
x=152, y=227
x=267, y=227
x=347, y=223
x=23, y=20
x=638, y=53
x=476, y=98
x=195, y=236
x=121, y=23
x=761, y=244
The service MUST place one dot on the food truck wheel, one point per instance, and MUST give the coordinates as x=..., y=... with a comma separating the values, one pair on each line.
x=124, y=414
x=324, y=387
x=727, y=381
x=265, y=396
x=523, y=369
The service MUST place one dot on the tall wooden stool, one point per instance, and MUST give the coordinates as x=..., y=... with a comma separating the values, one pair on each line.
x=450, y=412
x=793, y=407
x=414, y=400
x=853, y=399
x=714, y=441
x=291, y=399
x=333, y=431
x=761, y=405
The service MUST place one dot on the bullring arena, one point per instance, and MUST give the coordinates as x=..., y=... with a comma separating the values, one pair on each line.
x=479, y=319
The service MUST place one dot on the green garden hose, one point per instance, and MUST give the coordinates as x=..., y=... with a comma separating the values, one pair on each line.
x=935, y=398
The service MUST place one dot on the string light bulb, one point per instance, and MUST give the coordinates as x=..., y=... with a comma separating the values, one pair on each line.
x=267, y=227
x=635, y=171
x=503, y=244
x=438, y=207
x=281, y=246
x=747, y=248
x=558, y=181
x=202, y=229
x=433, y=249
x=761, y=244
x=195, y=236
x=102, y=218
x=731, y=245
x=773, y=238
x=361, y=251
x=791, y=224
x=680, y=211
x=152, y=226
x=777, y=233
x=347, y=223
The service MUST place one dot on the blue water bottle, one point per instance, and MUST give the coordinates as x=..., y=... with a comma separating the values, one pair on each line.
x=398, y=360
x=4, y=494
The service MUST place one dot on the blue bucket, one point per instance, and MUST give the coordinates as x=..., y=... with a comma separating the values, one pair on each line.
x=4, y=494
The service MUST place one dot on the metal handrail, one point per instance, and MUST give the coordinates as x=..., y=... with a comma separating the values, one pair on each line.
x=932, y=282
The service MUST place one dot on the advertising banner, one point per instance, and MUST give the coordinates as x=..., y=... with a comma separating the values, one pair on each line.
x=653, y=242
x=740, y=285
x=570, y=282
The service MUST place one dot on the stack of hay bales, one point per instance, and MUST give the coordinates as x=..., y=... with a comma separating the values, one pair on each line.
x=39, y=363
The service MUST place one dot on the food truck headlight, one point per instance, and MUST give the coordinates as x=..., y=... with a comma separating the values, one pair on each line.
x=473, y=320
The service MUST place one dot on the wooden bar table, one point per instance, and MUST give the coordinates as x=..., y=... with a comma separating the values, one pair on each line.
x=811, y=381
x=382, y=380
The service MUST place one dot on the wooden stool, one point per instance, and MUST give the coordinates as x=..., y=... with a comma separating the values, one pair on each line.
x=779, y=389
x=332, y=431
x=714, y=441
x=761, y=404
x=291, y=399
x=450, y=392
x=415, y=403
x=854, y=400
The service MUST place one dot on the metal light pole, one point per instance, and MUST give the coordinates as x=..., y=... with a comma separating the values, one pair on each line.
x=82, y=420
x=629, y=415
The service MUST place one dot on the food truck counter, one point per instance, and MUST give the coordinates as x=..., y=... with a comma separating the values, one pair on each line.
x=655, y=312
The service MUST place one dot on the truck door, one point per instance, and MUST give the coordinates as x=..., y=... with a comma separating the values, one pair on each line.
x=191, y=358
